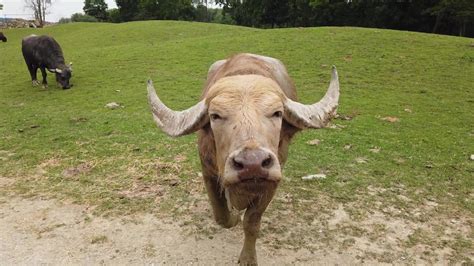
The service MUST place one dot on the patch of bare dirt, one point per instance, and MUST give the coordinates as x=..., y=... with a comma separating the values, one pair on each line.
x=39, y=231
x=295, y=230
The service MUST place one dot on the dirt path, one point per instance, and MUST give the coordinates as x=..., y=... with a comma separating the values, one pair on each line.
x=37, y=231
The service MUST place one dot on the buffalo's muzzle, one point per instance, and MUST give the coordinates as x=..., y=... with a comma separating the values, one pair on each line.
x=253, y=164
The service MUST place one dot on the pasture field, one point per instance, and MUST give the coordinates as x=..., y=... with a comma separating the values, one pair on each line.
x=399, y=184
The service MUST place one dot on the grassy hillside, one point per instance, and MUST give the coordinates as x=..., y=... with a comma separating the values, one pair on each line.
x=66, y=144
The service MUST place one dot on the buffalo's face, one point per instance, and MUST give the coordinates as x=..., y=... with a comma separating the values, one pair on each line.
x=63, y=77
x=245, y=114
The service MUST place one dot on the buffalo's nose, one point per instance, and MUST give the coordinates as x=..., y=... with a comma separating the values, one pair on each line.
x=252, y=164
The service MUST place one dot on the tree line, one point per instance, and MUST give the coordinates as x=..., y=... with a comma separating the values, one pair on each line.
x=134, y=10
x=454, y=17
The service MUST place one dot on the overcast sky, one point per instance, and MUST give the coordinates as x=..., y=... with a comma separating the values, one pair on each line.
x=59, y=9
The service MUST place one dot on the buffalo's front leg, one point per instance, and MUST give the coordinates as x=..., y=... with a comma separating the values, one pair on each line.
x=33, y=69
x=43, y=73
x=251, y=223
x=222, y=214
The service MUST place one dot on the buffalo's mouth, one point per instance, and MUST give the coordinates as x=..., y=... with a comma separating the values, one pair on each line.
x=250, y=182
x=256, y=180
x=245, y=193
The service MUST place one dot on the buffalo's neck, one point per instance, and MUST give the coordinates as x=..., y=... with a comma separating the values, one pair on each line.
x=56, y=63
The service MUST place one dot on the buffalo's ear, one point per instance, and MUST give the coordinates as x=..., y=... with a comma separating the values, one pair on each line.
x=177, y=123
x=316, y=115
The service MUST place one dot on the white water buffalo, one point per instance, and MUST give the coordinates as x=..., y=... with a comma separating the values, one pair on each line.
x=245, y=120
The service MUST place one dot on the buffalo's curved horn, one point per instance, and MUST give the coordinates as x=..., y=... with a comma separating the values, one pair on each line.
x=316, y=115
x=176, y=123
x=57, y=70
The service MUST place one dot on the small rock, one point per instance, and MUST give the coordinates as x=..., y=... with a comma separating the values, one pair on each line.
x=407, y=110
x=375, y=149
x=314, y=142
x=391, y=119
x=315, y=176
x=174, y=182
x=472, y=157
x=113, y=105
x=347, y=146
x=345, y=117
x=361, y=160
x=337, y=126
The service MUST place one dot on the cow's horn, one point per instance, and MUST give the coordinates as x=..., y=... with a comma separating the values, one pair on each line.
x=316, y=115
x=176, y=123
x=57, y=70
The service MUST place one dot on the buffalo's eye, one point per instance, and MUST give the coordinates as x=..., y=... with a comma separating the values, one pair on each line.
x=277, y=114
x=215, y=117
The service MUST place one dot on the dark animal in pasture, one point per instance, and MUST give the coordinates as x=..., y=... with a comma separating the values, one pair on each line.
x=245, y=120
x=3, y=38
x=44, y=52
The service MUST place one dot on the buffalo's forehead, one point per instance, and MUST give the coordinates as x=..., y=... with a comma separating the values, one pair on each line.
x=243, y=92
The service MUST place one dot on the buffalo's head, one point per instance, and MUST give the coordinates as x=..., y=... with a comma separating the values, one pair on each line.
x=63, y=75
x=246, y=114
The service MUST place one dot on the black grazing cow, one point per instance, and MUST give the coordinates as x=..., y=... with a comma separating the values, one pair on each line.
x=2, y=37
x=44, y=52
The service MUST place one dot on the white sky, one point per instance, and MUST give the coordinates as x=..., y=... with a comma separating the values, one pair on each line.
x=59, y=9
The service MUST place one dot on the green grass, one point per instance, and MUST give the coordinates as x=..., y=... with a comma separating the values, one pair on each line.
x=382, y=73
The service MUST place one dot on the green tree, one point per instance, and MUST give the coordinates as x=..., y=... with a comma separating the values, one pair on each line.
x=79, y=17
x=128, y=9
x=113, y=15
x=459, y=12
x=96, y=8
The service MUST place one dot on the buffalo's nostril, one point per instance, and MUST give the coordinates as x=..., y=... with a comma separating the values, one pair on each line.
x=237, y=165
x=267, y=162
